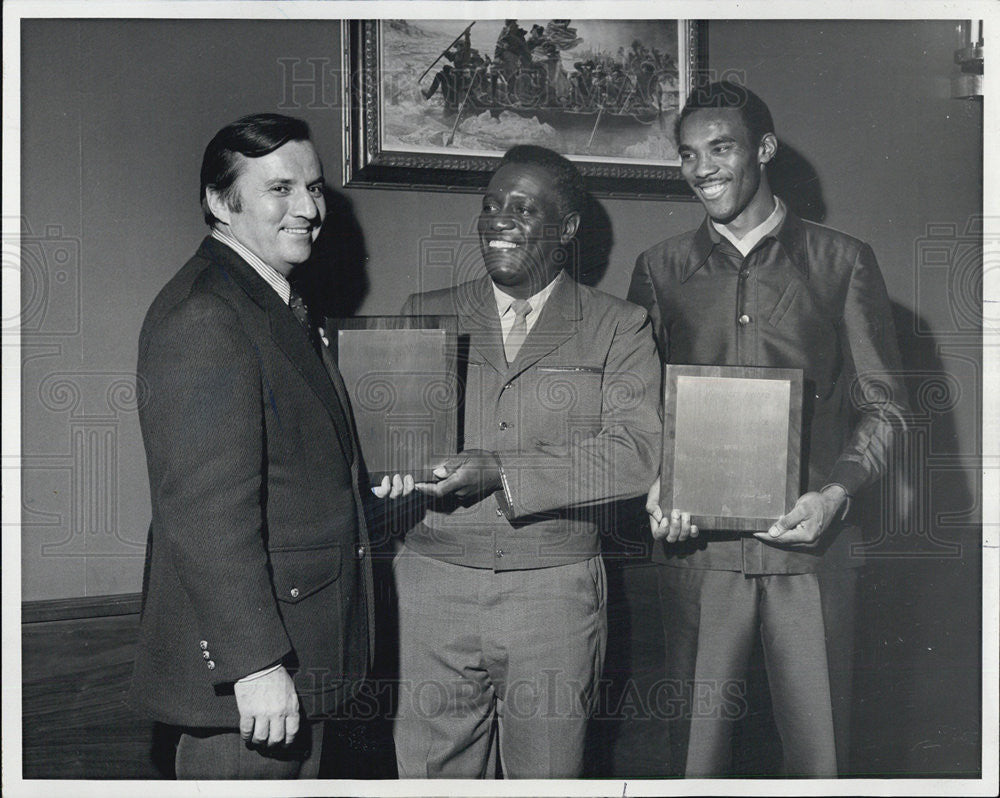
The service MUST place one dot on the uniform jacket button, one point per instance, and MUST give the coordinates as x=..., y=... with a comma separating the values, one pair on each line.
x=499, y=513
x=744, y=320
x=499, y=552
x=204, y=645
x=206, y=655
x=361, y=552
x=294, y=592
x=211, y=665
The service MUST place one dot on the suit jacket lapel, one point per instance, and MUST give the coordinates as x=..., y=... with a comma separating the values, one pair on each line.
x=558, y=322
x=479, y=318
x=287, y=334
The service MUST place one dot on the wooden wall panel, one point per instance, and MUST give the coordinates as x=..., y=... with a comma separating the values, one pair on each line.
x=75, y=724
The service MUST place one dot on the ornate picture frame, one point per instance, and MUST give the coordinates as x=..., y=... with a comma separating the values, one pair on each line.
x=433, y=104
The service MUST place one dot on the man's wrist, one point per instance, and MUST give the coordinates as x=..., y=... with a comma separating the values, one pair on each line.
x=838, y=497
x=256, y=675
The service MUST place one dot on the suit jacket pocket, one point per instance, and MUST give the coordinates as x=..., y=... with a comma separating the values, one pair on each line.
x=298, y=573
x=784, y=303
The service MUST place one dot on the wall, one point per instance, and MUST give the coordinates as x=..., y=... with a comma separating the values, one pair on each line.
x=116, y=114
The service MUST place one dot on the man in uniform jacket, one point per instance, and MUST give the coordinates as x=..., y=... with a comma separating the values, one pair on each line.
x=755, y=285
x=501, y=584
x=257, y=596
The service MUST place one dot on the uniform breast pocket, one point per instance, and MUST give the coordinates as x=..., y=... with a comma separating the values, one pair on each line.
x=785, y=303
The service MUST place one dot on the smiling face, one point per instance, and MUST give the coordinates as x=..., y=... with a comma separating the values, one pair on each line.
x=725, y=169
x=522, y=229
x=280, y=205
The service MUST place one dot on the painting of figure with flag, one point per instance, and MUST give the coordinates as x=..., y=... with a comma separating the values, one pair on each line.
x=590, y=89
x=436, y=103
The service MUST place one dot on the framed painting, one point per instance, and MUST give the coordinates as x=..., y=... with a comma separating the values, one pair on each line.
x=434, y=104
x=731, y=444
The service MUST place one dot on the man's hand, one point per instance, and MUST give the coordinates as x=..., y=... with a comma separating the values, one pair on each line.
x=269, y=709
x=808, y=519
x=394, y=487
x=673, y=528
x=470, y=475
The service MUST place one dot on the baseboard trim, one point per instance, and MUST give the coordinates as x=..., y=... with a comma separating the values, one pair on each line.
x=72, y=609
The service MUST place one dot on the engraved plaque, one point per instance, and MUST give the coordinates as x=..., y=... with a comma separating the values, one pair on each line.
x=400, y=373
x=731, y=444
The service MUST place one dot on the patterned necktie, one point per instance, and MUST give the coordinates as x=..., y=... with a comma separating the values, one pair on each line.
x=512, y=343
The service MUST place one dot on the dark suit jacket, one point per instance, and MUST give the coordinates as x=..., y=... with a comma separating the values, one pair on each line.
x=808, y=297
x=257, y=547
x=575, y=420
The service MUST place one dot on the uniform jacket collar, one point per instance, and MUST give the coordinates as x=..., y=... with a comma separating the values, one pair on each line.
x=558, y=321
x=791, y=235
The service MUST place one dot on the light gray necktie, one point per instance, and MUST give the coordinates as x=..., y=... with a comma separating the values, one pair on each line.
x=512, y=343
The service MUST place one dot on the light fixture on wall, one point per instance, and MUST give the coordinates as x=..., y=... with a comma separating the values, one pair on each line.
x=968, y=84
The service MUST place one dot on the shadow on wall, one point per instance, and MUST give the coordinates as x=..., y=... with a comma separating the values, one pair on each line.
x=335, y=282
x=793, y=178
x=918, y=653
x=593, y=242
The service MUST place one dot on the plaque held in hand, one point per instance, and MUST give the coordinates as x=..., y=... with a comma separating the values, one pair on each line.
x=401, y=376
x=731, y=444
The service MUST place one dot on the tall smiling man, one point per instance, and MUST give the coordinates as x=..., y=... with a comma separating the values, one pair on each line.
x=257, y=605
x=501, y=584
x=755, y=285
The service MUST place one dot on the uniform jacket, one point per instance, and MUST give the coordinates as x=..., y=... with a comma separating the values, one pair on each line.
x=574, y=419
x=257, y=546
x=807, y=297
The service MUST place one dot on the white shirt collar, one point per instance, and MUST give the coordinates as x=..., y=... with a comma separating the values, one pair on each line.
x=746, y=244
x=271, y=276
x=537, y=301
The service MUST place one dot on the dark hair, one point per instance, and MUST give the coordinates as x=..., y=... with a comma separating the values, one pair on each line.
x=568, y=181
x=252, y=136
x=754, y=113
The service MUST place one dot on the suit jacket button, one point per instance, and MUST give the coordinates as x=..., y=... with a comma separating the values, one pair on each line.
x=294, y=592
x=211, y=665
x=361, y=552
x=204, y=645
x=206, y=655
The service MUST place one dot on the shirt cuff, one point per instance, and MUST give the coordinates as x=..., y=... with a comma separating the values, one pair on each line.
x=504, y=499
x=258, y=674
x=847, y=497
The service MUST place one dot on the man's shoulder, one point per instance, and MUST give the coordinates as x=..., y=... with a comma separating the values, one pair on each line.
x=820, y=235
x=197, y=289
x=596, y=300
x=675, y=248
x=455, y=299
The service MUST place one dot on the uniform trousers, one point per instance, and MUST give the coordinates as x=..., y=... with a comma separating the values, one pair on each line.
x=491, y=661
x=806, y=626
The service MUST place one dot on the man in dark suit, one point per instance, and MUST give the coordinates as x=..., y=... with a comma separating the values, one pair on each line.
x=257, y=596
x=755, y=285
x=501, y=584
